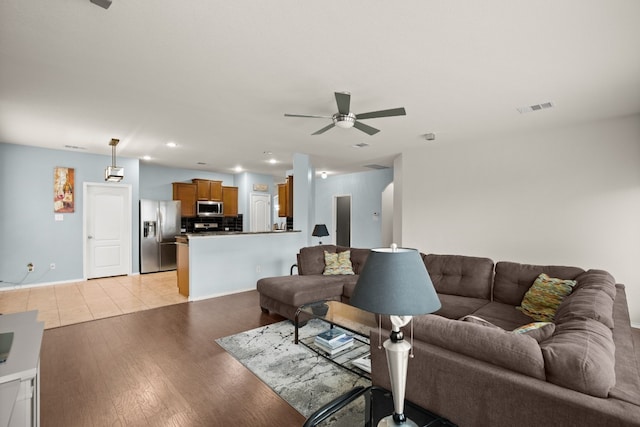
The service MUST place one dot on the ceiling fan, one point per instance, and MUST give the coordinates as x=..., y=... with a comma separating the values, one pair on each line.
x=346, y=119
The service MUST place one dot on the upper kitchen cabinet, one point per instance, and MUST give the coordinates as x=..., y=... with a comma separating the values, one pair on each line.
x=230, y=201
x=186, y=193
x=285, y=198
x=208, y=190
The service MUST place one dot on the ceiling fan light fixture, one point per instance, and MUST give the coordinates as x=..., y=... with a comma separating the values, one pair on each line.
x=344, y=121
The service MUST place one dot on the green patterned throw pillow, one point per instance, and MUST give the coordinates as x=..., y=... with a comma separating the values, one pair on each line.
x=545, y=295
x=338, y=263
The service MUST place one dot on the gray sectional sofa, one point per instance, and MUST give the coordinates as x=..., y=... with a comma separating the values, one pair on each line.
x=478, y=373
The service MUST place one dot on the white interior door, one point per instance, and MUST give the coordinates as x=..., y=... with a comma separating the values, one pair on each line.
x=260, y=212
x=107, y=229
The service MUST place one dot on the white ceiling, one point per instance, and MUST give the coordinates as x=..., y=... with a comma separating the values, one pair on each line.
x=217, y=77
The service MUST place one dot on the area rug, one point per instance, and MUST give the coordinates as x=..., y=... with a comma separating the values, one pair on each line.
x=304, y=379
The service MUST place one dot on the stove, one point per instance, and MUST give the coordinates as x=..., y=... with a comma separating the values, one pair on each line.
x=205, y=226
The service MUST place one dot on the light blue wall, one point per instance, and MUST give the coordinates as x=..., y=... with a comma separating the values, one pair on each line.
x=155, y=181
x=365, y=189
x=29, y=232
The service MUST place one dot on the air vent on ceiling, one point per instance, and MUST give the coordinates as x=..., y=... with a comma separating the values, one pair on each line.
x=374, y=166
x=536, y=107
x=74, y=147
x=360, y=145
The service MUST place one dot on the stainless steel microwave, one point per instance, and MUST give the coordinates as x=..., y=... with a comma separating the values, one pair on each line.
x=206, y=208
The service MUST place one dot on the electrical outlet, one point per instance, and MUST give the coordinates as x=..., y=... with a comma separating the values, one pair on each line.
x=31, y=267
x=52, y=266
x=258, y=269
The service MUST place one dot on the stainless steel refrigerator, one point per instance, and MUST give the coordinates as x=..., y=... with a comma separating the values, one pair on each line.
x=159, y=225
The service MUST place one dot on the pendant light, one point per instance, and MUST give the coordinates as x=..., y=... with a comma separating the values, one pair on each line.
x=113, y=173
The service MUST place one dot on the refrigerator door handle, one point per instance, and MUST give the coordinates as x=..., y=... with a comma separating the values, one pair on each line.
x=159, y=232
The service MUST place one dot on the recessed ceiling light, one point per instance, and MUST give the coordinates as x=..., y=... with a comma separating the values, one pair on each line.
x=273, y=161
x=238, y=169
x=323, y=175
x=171, y=144
x=146, y=157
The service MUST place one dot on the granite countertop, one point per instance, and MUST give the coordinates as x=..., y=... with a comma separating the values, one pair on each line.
x=232, y=233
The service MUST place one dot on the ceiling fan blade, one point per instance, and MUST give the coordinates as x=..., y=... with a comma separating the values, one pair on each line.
x=365, y=128
x=343, y=99
x=382, y=113
x=305, y=115
x=324, y=129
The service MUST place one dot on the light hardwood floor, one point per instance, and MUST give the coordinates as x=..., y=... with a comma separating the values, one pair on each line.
x=66, y=304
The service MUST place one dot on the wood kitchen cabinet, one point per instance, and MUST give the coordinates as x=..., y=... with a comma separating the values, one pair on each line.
x=230, y=201
x=208, y=189
x=285, y=198
x=186, y=193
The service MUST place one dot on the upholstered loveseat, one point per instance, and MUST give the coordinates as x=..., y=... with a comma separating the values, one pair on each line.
x=471, y=368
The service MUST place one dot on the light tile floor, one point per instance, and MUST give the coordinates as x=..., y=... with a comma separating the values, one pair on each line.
x=65, y=304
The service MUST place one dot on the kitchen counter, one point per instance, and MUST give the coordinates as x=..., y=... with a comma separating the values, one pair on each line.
x=231, y=233
x=216, y=263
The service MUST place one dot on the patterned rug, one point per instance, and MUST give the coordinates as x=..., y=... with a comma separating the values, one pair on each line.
x=304, y=379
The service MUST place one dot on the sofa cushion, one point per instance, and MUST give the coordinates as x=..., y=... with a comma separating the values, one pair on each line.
x=478, y=321
x=592, y=298
x=454, y=306
x=516, y=352
x=337, y=263
x=349, y=284
x=298, y=290
x=311, y=259
x=539, y=331
x=460, y=275
x=358, y=258
x=545, y=295
x=504, y=315
x=513, y=280
x=581, y=356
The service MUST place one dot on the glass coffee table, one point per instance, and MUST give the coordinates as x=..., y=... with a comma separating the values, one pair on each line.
x=378, y=403
x=356, y=322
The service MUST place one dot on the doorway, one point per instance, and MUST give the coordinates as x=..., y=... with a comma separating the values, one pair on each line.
x=106, y=230
x=343, y=220
x=260, y=212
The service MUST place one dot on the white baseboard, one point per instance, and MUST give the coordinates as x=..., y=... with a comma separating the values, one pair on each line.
x=635, y=325
x=221, y=294
x=13, y=287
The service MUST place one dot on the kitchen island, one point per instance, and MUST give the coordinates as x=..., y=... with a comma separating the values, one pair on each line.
x=217, y=263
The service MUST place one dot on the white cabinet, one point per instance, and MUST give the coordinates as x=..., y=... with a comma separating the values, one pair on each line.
x=20, y=374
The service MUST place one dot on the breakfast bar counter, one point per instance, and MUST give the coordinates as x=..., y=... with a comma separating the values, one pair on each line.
x=216, y=263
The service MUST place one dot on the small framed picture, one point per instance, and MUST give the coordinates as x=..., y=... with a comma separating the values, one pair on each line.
x=63, y=188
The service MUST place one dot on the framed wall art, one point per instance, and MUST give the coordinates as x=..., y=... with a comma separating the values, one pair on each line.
x=63, y=188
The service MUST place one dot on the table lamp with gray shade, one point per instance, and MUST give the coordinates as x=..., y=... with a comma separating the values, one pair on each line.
x=395, y=282
x=320, y=230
